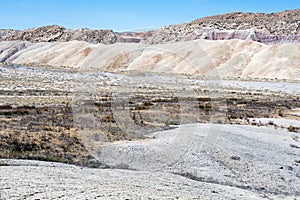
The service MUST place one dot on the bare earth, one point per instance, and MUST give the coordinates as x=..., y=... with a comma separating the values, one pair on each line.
x=243, y=162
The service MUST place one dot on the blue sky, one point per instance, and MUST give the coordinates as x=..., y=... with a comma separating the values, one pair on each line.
x=124, y=15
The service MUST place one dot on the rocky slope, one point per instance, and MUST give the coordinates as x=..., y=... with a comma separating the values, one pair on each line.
x=283, y=23
x=274, y=28
x=59, y=34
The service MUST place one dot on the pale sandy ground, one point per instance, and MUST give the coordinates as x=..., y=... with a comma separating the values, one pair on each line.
x=195, y=161
x=58, y=181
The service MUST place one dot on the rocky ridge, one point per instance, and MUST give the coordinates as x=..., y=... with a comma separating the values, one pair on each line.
x=56, y=33
x=273, y=28
x=278, y=27
x=185, y=34
x=281, y=23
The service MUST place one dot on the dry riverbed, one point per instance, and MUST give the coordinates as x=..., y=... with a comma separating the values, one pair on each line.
x=57, y=114
x=146, y=135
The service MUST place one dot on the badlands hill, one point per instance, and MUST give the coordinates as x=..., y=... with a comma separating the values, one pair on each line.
x=281, y=23
x=56, y=33
x=231, y=45
x=228, y=58
x=271, y=28
x=267, y=28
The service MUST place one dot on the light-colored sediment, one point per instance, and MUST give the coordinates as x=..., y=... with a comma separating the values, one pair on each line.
x=231, y=58
x=240, y=162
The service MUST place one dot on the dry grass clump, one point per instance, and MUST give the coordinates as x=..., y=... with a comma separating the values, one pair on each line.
x=61, y=146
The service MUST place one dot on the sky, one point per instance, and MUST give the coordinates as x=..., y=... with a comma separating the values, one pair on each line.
x=125, y=15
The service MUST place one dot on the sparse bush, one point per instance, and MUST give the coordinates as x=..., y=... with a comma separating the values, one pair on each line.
x=271, y=123
x=280, y=112
x=173, y=123
x=292, y=128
